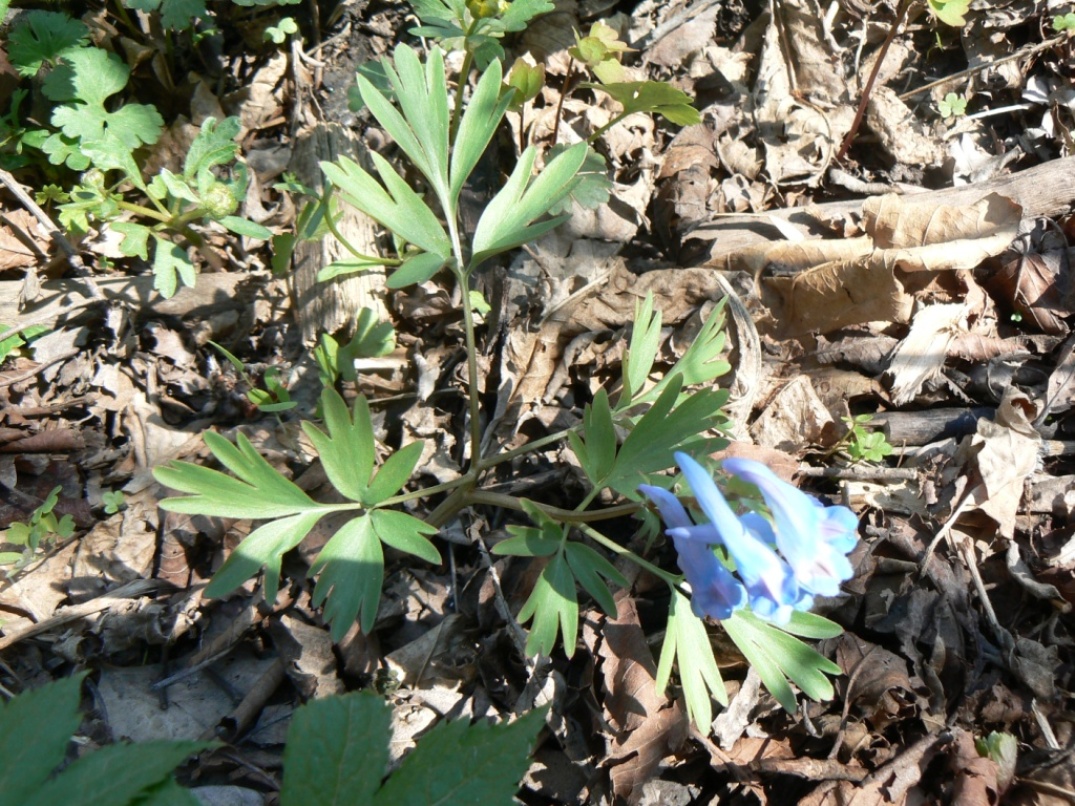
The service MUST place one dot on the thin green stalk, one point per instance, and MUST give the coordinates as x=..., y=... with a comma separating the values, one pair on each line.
x=472, y=375
x=593, y=137
x=460, y=88
x=522, y=450
x=138, y=209
x=425, y=492
x=327, y=215
x=616, y=548
x=563, y=515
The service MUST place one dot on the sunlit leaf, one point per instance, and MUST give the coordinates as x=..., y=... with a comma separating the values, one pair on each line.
x=686, y=640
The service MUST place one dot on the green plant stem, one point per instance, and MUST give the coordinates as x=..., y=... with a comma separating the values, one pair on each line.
x=141, y=210
x=563, y=515
x=522, y=450
x=425, y=492
x=593, y=137
x=616, y=548
x=472, y=369
x=460, y=88
x=331, y=224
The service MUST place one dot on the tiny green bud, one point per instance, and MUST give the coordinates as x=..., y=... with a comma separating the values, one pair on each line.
x=94, y=178
x=484, y=9
x=219, y=201
x=526, y=80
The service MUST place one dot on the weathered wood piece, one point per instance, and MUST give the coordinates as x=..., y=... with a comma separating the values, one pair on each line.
x=924, y=427
x=1044, y=190
x=60, y=299
x=329, y=306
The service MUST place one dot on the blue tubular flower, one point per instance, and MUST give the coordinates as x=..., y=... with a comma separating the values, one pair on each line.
x=813, y=538
x=771, y=586
x=714, y=591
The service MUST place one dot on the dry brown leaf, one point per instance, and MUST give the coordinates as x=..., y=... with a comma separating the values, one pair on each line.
x=648, y=727
x=794, y=419
x=921, y=356
x=1001, y=456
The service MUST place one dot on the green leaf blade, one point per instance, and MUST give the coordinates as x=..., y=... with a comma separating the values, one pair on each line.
x=455, y=763
x=264, y=548
x=406, y=533
x=337, y=751
x=115, y=774
x=351, y=567
x=34, y=731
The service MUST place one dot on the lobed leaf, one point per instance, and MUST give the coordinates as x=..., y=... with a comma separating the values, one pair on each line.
x=778, y=656
x=347, y=450
x=642, y=351
x=596, y=446
x=42, y=36
x=258, y=492
x=399, y=208
x=393, y=474
x=554, y=607
x=588, y=567
x=351, y=567
x=264, y=548
x=476, y=128
x=406, y=533
x=686, y=638
x=507, y=221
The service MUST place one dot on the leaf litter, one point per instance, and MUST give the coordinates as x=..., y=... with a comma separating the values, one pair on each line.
x=922, y=275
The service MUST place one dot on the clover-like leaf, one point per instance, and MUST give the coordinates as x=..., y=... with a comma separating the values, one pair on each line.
x=686, y=640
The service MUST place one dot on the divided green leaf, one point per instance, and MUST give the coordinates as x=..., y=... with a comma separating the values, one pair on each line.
x=554, y=607
x=654, y=97
x=686, y=639
x=82, y=84
x=41, y=37
x=508, y=220
x=778, y=657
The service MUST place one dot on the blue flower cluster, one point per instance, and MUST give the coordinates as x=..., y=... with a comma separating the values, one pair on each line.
x=780, y=565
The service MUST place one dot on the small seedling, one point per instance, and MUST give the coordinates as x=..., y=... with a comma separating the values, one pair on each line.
x=1064, y=22
x=42, y=527
x=953, y=106
x=861, y=444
